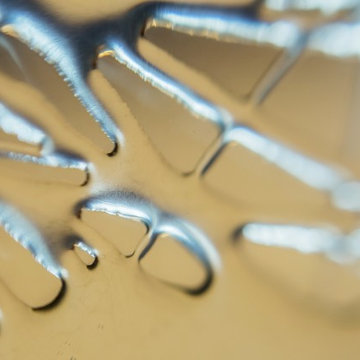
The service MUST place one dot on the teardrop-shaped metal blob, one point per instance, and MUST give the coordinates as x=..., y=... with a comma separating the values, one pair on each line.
x=182, y=130
x=26, y=265
x=310, y=263
x=90, y=119
x=125, y=233
x=180, y=255
x=26, y=149
x=324, y=7
x=172, y=262
x=18, y=134
x=85, y=253
x=56, y=168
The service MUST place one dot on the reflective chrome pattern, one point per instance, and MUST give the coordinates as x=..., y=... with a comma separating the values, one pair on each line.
x=325, y=7
x=123, y=186
x=159, y=223
x=329, y=242
x=17, y=271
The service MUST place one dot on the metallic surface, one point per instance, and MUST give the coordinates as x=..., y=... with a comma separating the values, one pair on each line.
x=179, y=179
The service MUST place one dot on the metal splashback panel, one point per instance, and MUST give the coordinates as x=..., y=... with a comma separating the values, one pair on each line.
x=179, y=179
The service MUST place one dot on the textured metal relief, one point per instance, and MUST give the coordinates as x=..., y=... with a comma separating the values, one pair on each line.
x=114, y=182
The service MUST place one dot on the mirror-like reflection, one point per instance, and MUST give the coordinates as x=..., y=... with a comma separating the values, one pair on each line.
x=163, y=239
x=27, y=266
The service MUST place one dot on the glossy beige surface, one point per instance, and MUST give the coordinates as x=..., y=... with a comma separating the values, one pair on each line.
x=265, y=303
